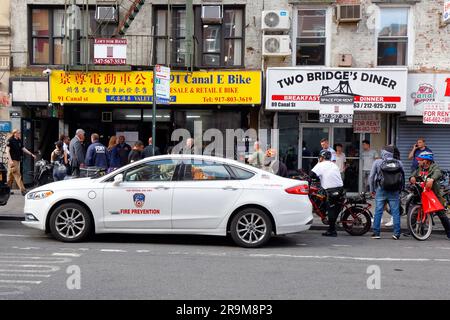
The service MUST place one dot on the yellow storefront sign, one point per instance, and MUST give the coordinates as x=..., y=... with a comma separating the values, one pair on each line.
x=135, y=87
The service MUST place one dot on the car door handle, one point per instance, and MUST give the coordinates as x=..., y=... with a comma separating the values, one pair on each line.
x=229, y=188
x=162, y=188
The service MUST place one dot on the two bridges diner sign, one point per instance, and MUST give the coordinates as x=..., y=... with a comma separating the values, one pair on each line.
x=136, y=87
x=307, y=89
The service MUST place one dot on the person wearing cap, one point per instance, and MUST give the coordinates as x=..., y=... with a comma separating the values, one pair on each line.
x=14, y=153
x=430, y=173
x=331, y=180
x=384, y=194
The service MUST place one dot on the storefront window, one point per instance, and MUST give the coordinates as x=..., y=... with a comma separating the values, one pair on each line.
x=311, y=38
x=393, y=36
x=289, y=136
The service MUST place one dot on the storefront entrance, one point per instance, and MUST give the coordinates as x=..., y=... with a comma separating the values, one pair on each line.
x=295, y=136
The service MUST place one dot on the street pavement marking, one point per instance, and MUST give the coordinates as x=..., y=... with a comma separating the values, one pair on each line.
x=112, y=250
x=20, y=281
x=142, y=251
x=20, y=271
x=25, y=275
x=64, y=254
x=29, y=268
x=341, y=245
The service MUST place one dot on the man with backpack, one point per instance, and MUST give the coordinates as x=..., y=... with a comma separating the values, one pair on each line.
x=386, y=180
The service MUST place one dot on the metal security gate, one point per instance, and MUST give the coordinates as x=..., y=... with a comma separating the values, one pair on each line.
x=437, y=138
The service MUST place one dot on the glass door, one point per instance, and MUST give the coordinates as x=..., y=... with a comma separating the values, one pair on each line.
x=310, y=137
x=350, y=142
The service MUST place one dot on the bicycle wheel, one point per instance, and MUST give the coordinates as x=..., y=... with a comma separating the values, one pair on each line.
x=356, y=221
x=419, y=224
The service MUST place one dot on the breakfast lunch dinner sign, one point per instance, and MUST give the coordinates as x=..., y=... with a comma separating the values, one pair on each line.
x=307, y=89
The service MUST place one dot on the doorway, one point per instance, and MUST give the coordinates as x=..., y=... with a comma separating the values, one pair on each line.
x=309, y=142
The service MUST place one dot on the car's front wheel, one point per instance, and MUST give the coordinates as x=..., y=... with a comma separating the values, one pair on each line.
x=70, y=222
x=251, y=228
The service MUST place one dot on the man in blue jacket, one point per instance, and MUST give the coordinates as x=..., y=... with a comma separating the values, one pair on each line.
x=96, y=155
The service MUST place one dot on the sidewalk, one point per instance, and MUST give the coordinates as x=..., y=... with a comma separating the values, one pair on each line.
x=14, y=208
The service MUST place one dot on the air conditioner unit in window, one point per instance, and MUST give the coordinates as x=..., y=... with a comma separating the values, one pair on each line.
x=275, y=20
x=212, y=14
x=106, y=14
x=276, y=45
x=106, y=116
x=348, y=13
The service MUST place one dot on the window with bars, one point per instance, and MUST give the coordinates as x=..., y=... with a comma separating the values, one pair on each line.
x=393, y=37
x=311, y=37
x=47, y=34
x=217, y=45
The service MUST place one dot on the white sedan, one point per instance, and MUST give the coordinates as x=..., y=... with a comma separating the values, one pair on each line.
x=174, y=194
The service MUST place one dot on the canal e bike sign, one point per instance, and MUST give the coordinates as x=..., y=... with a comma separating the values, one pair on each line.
x=307, y=89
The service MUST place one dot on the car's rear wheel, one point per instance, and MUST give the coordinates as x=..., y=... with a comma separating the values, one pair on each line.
x=251, y=228
x=70, y=222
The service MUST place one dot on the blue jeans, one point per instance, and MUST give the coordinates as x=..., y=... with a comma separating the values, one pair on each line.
x=383, y=196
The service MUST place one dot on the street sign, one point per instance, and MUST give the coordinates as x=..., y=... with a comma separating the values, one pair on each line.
x=5, y=126
x=162, y=84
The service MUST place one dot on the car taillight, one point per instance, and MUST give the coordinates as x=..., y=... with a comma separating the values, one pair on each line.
x=301, y=189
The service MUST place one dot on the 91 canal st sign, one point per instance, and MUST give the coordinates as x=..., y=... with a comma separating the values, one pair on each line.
x=306, y=89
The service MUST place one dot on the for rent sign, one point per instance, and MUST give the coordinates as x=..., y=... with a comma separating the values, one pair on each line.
x=309, y=88
x=436, y=113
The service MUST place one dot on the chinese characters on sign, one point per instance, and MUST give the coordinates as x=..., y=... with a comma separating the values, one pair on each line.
x=331, y=113
x=136, y=87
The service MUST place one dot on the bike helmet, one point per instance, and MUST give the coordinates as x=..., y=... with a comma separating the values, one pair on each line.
x=325, y=154
x=425, y=155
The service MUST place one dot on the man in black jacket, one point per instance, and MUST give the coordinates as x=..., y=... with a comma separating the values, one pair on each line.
x=148, y=150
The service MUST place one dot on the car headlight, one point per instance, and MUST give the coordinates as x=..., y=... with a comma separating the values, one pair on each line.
x=38, y=195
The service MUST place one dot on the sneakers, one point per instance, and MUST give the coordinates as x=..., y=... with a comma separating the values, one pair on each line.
x=330, y=234
x=390, y=223
x=376, y=236
x=396, y=236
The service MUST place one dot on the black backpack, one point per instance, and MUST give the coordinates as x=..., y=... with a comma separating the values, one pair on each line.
x=391, y=178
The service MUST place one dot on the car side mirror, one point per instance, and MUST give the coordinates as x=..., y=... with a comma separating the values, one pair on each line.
x=118, y=179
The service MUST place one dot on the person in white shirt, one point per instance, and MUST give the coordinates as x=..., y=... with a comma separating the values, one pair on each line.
x=340, y=159
x=368, y=157
x=331, y=180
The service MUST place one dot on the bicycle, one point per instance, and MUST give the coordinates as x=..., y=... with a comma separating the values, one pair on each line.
x=420, y=224
x=355, y=215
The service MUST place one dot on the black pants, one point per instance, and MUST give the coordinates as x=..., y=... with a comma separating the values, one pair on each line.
x=75, y=172
x=445, y=221
x=334, y=200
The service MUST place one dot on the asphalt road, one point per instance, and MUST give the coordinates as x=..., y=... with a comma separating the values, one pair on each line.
x=300, y=266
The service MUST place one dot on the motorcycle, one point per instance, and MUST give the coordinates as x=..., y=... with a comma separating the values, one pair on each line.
x=355, y=215
x=42, y=174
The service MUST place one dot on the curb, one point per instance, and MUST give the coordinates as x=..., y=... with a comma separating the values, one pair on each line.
x=403, y=230
x=12, y=218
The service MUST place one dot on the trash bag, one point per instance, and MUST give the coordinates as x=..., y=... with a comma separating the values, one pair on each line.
x=431, y=203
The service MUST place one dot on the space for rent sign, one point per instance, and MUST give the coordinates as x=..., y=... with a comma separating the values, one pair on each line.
x=375, y=89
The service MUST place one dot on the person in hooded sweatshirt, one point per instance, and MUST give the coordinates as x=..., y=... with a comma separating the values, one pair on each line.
x=96, y=155
x=386, y=180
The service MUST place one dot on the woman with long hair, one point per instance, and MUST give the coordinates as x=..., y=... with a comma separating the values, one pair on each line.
x=113, y=154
